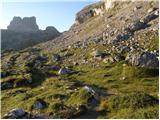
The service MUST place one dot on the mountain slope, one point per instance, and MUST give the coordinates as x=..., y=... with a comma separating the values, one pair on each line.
x=105, y=66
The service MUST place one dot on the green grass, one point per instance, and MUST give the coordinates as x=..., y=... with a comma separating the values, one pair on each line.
x=80, y=97
x=59, y=94
x=132, y=105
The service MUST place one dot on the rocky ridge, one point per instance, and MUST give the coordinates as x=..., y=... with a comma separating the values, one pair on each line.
x=27, y=24
x=25, y=33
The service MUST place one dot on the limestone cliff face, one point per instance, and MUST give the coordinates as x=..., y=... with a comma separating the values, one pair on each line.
x=27, y=24
x=94, y=10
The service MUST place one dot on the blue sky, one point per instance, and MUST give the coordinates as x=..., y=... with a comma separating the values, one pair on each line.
x=60, y=14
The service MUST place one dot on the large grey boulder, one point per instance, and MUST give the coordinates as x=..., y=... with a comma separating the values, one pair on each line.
x=15, y=113
x=143, y=59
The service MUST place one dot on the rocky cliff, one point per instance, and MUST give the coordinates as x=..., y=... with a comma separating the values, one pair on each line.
x=26, y=24
x=24, y=32
x=93, y=10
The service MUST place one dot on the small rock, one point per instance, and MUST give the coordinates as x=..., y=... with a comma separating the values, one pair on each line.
x=30, y=81
x=109, y=60
x=137, y=7
x=56, y=57
x=81, y=109
x=93, y=92
x=156, y=12
x=119, y=58
x=63, y=71
x=75, y=63
x=151, y=10
x=99, y=54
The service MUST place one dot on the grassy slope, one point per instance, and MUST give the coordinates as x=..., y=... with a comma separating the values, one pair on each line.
x=105, y=76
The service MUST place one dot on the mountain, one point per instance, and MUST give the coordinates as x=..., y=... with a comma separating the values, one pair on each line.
x=105, y=66
x=27, y=24
x=23, y=33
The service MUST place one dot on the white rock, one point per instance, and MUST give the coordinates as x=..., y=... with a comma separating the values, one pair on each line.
x=150, y=10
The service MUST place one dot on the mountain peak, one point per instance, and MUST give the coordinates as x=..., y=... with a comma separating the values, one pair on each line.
x=26, y=24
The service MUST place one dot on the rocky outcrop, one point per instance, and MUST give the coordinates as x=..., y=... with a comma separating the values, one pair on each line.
x=90, y=11
x=27, y=24
x=93, y=10
x=143, y=59
x=25, y=33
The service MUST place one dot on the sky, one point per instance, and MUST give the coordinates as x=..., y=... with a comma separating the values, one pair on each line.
x=60, y=14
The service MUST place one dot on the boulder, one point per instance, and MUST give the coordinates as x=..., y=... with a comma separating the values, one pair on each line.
x=137, y=26
x=30, y=81
x=53, y=67
x=99, y=54
x=123, y=49
x=92, y=92
x=15, y=114
x=109, y=60
x=150, y=10
x=84, y=96
x=150, y=17
x=41, y=58
x=143, y=59
x=6, y=85
x=64, y=71
x=39, y=104
x=119, y=58
x=19, y=113
x=3, y=74
x=81, y=109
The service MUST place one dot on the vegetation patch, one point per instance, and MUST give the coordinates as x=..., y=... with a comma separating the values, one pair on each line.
x=133, y=100
x=80, y=97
